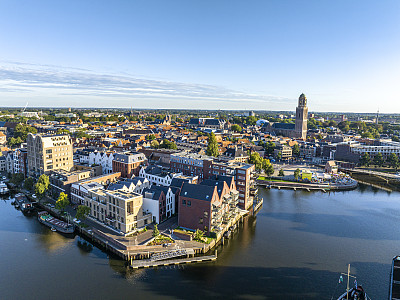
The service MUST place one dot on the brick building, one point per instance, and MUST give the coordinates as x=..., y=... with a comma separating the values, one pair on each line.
x=128, y=163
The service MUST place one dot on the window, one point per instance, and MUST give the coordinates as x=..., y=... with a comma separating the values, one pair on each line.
x=189, y=203
x=184, y=202
x=201, y=221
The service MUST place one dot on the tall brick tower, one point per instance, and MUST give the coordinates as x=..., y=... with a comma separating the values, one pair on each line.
x=301, y=118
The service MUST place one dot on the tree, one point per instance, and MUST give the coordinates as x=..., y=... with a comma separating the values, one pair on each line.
x=296, y=150
x=281, y=173
x=269, y=147
x=156, y=232
x=296, y=173
x=279, y=156
x=212, y=147
x=22, y=130
x=167, y=144
x=62, y=201
x=63, y=131
x=17, y=178
x=14, y=141
x=365, y=160
x=393, y=161
x=199, y=235
x=267, y=167
x=151, y=137
x=82, y=212
x=256, y=160
x=236, y=128
x=155, y=144
x=29, y=183
x=42, y=186
x=378, y=160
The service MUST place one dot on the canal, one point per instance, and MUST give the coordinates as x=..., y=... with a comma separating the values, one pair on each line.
x=295, y=248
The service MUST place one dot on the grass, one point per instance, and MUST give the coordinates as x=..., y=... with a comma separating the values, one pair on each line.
x=271, y=179
x=160, y=239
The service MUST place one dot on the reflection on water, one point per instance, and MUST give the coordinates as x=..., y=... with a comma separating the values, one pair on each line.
x=294, y=248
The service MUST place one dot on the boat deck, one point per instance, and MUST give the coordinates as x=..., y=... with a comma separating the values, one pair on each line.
x=396, y=280
x=54, y=221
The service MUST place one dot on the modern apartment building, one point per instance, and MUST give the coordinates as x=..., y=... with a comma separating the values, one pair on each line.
x=128, y=163
x=120, y=210
x=49, y=152
x=205, y=167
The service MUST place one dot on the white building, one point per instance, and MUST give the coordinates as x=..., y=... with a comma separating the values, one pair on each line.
x=135, y=185
x=156, y=176
x=104, y=159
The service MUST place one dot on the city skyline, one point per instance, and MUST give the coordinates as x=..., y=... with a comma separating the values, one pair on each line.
x=227, y=55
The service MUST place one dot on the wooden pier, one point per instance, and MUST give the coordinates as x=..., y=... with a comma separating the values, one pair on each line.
x=137, y=264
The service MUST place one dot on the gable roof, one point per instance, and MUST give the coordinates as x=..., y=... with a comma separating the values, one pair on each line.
x=198, y=191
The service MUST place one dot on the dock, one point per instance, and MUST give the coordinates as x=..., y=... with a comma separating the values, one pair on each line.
x=148, y=263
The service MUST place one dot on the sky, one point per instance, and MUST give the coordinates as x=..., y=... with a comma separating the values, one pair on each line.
x=201, y=54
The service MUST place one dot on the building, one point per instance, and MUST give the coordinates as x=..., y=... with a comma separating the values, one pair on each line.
x=121, y=210
x=157, y=176
x=81, y=189
x=331, y=167
x=128, y=163
x=203, y=166
x=49, y=152
x=283, y=151
x=104, y=159
x=207, y=123
x=160, y=202
x=134, y=185
x=20, y=158
x=3, y=138
x=61, y=180
x=296, y=130
x=301, y=118
x=207, y=206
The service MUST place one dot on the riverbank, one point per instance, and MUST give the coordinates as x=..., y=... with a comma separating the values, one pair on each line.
x=285, y=184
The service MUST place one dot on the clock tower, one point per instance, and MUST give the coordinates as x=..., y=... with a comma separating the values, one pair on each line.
x=301, y=118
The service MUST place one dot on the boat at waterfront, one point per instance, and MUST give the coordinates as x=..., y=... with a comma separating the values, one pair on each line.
x=23, y=203
x=355, y=293
x=3, y=188
x=45, y=218
x=394, y=291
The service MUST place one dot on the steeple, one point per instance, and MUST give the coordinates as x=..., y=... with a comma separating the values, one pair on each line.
x=301, y=118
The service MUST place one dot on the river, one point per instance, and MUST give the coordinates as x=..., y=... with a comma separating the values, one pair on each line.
x=295, y=248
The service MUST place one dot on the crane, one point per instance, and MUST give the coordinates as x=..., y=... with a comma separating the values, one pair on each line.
x=25, y=107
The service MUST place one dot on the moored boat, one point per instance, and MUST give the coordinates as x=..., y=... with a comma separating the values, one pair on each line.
x=355, y=293
x=3, y=188
x=394, y=292
x=45, y=218
x=23, y=203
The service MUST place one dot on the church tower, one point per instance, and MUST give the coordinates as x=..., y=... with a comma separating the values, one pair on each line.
x=301, y=118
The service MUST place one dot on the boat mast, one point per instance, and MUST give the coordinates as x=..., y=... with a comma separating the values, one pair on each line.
x=348, y=281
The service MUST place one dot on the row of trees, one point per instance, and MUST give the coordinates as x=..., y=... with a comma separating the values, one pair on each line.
x=392, y=160
x=261, y=163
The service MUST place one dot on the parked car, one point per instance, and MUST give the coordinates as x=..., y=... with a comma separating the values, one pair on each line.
x=34, y=196
x=76, y=221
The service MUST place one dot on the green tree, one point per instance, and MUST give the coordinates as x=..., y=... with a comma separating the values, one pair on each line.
x=151, y=137
x=378, y=160
x=393, y=161
x=256, y=160
x=63, y=131
x=167, y=144
x=156, y=232
x=281, y=173
x=29, y=183
x=42, y=185
x=212, y=147
x=17, y=178
x=199, y=235
x=296, y=173
x=267, y=167
x=22, y=130
x=269, y=147
x=365, y=160
x=82, y=212
x=62, y=201
x=296, y=150
x=155, y=144
x=236, y=128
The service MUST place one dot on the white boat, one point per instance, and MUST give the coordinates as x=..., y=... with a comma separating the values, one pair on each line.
x=3, y=188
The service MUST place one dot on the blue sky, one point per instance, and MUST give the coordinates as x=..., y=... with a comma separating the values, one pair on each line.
x=344, y=55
